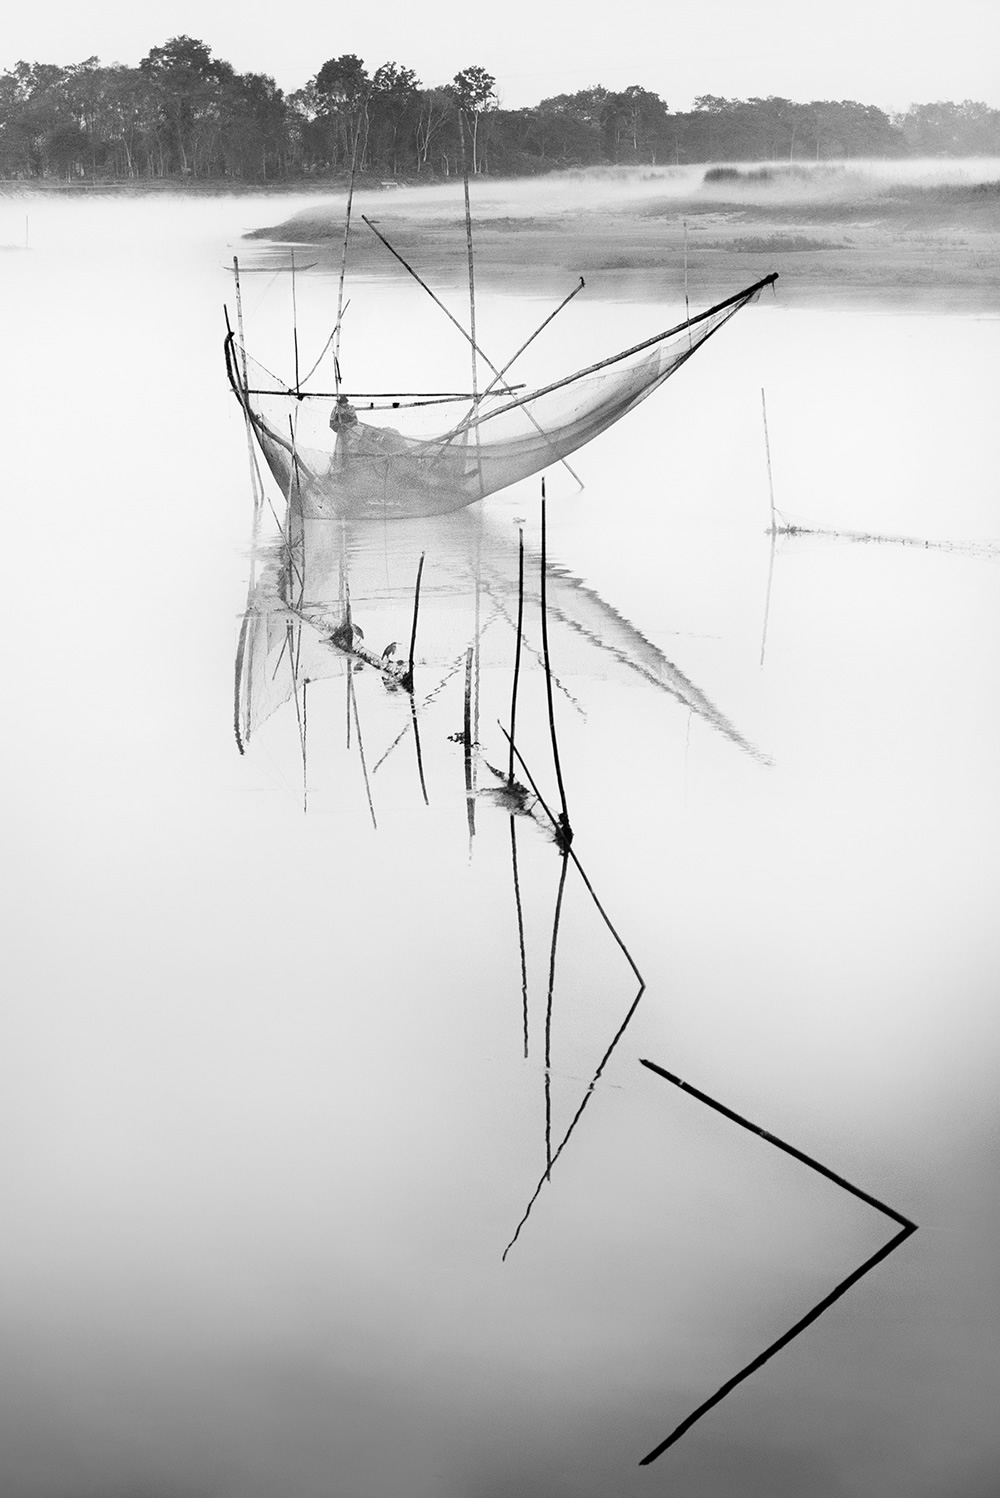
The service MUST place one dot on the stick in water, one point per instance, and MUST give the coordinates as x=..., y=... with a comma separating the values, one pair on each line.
x=517, y=650
x=565, y=830
x=470, y=803
x=407, y=677
x=906, y=1228
x=773, y=531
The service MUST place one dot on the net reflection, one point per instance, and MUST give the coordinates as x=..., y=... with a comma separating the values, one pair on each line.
x=329, y=599
x=323, y=597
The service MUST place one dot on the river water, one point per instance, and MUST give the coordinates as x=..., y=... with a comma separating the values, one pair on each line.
x=269, y=1123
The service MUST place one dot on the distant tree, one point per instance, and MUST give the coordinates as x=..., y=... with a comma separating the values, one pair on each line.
x=946, y=129
x=256, y=128
x=393, y=110
x=474, y=91
x=633, y=122
x=434, y=107
x=342, y=89
x=570, y=127
x=188, y=84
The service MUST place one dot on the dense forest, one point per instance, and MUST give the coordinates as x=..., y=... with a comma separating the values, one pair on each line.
x=184, y=115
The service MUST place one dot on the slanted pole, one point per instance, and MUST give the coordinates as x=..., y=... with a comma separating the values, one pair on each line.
x=528, y=341
x=488, y=362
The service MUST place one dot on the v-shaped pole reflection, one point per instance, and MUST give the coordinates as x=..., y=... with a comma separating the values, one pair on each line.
x=906, y=1228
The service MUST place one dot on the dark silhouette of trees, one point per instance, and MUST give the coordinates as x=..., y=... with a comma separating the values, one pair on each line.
x=474, y=91
x=394, y=111
x=183, y=114
x=191, y=89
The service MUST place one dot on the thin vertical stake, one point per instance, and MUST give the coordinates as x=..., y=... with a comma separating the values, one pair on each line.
x=295, y=325
x=467, y=737
x=687, y=304
x=767, y=449
x=564, y=826
x=517, y=650
x=408, y=677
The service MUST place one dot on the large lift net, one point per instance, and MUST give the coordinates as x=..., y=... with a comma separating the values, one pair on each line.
x=330, y=458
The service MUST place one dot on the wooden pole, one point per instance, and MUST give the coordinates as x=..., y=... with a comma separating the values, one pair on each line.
x=687, y=304
x=517, y=651
x=767, y=450
x=529, y=341
x=773, y=532
x=361, y=748
x=566, y=832
x=489, y=364
x=472, y=296
x=407, y=677
x=470, y=805
x=416, y=740
x=295, y=325
x=548, y=1011
x=520, y=934
x=343, y=258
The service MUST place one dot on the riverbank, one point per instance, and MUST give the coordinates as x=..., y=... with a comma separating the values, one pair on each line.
x=836, y=235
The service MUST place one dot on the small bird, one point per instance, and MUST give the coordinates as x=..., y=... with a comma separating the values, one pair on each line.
x=388, y=652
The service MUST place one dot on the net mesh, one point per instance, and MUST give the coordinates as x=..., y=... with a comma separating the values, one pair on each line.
x=334, y=461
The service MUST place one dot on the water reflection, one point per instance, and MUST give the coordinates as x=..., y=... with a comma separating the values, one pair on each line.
x=268, y=1116
x=324, y=596
x=309, y=590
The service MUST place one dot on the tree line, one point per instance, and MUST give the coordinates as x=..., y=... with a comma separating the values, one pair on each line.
x=184, y=114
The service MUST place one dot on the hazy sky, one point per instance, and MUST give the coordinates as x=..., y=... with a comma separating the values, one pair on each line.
x=878, y=51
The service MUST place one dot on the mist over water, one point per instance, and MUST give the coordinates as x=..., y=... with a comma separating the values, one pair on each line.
x=268, y=1122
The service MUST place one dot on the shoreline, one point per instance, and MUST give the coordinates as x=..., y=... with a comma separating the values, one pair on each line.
x=904, y=247
x=857, y=235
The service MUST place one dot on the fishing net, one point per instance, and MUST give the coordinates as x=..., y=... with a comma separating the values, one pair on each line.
x=334, y=457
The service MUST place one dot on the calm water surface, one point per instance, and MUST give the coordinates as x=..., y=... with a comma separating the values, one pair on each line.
x=269, y=1124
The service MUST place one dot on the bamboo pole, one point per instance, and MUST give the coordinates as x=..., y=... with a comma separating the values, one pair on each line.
x=553, y=947
x=407, y=678
x=489, y=364
x=295, y=325
x=529, y=341
x=773, y=532
x=735, y=302
x=687, y=304
x=517, y=651
x=767, y=450
x=361, y=748
x=472, y=294
x=574, y=1121
x=580, y=869
x=520, y=934
x=343, y=258
x=416, y=740
x=470, y=805
x=566, y=831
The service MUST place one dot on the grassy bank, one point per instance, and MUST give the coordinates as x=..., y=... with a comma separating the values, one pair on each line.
x=835, y=234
